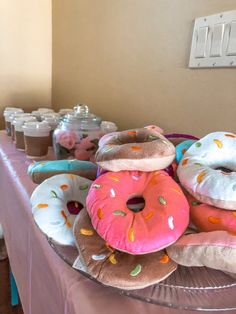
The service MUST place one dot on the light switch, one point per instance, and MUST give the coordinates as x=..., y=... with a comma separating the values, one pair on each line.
x=217, y=40
x=231, y=50
x=201, y=42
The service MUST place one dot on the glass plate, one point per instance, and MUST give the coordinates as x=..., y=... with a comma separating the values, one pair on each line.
x=188, y=288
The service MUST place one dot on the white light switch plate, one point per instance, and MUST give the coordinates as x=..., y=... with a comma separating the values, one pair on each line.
x=214, y=41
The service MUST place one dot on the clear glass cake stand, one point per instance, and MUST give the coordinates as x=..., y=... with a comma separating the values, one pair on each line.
x=188, y=288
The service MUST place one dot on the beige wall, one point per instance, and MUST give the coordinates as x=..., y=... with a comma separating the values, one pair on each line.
x=25, y=53
x=128, y=60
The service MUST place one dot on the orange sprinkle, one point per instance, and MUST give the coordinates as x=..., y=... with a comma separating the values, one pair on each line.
x=230, y=135
x=234, y=213
x=177, y=191
x=86, y=232
x=64, y=187
x=131, y=235
x=200, y=176
x=184, y=151
x=112, y=259
x=214, y=220
x=114, y=178
x=71, y=176
x=164, y=259
x=42, y=205
x=68, y=224
x=233, y=233
x=100, y=213
x=184, y=161
x=132, y=132
x=149, y=215
x=63, y=214
x=218, y=143
x=135, y=148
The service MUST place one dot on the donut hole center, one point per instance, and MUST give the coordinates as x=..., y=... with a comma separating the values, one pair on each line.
x=136, y=203
x=224, y=169
x=74, y=207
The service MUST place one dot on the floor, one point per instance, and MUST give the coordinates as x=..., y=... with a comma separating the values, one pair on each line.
x=5, y=295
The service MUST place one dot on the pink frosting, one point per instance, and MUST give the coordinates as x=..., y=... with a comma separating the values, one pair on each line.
x=161, y=222
x=66, y=139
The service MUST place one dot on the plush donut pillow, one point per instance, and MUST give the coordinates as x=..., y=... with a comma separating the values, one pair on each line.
x=209, y=218
x=114, y=268
x=216, y=249
x=203, y=170
x=159, y=223
x=55, y=204
x=39, y=171
x=140, y=149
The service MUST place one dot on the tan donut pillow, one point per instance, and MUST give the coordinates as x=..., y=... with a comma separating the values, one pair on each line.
x=140, y=149
x=115, y=268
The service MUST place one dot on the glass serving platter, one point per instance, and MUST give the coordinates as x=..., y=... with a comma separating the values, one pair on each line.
x=188, y=288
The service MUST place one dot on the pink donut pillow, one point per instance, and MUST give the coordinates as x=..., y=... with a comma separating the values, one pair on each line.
x=140, y=149
x=162, y=220
x=209, y=218
x=215, y=249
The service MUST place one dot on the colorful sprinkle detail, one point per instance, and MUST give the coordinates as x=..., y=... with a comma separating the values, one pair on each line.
x=54, y=194
x=214, y=220
x=42, y=205
x=195, y=203
x=83, y=187
x=161, y=200
x=136, y=270
x=136, y=148
x=112, y=193
x=114, y=178
x=149, y=215
x=132, y=132
x=171, y=222
x=131, y=235
x=100, y=213
x=184, y=161
x=112, y=259
x=234, y=214
x=164, y=259
x=200, y=176
x=218, y=143
x=177, y=191
x=86, y=232
x=119, y=213
x=64, y=187
x=96, y=186
x=230, y=135
x=100, y=257
x=198, y=144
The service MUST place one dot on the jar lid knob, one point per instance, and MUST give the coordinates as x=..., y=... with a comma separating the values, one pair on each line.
x=81, y=110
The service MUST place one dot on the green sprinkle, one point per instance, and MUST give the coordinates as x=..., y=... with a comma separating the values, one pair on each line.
x=195, y=203
x=83, y=187
x=119, y=213
x=198, y=144
x=153, y=137
x=136, y=270
x=162, y=201
x=96, y=186
x=54, y=194
x=198, y=164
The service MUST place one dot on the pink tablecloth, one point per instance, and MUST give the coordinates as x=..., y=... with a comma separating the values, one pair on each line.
x=47, y=285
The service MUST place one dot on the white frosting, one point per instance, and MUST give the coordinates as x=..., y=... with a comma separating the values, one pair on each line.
x=50, y=198
x=197, y=170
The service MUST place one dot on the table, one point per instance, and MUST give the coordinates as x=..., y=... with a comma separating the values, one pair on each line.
x=46, y=284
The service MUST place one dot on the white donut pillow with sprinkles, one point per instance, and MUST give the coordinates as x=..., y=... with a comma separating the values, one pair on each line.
x=115, y=268
x=55, y=204
x=208, y=170
x=215, y=249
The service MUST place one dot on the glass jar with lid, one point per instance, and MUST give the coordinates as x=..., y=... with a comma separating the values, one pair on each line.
x=77, y=135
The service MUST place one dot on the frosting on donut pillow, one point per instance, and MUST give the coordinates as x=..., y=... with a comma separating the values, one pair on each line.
x=140, y=149
x=161, y=222
x=181, y=149
x=114, y=268
x=209, y=218
x=55, y=204
x=39, y=171
x=216, y=249
x=202, y=173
